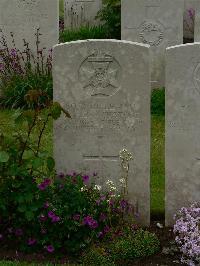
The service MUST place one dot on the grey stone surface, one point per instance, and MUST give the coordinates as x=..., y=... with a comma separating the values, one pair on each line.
x=104, y=84
x=22, y=18
x=81, y=13
x=182, y=128
x=158, y=23
x=196, y=5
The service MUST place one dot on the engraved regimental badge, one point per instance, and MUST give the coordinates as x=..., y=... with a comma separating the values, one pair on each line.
x=151, y=32
x=100, y=74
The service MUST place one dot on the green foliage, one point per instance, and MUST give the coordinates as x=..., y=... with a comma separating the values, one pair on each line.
x=158, y=102
x=83, y=33
x=137, y=245
x=94, y=257
x=22, y=71
x=110, y=15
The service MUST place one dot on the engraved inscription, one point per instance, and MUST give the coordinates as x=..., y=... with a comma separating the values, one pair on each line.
x=100, y=74
x=151, y=33
x=95, y=118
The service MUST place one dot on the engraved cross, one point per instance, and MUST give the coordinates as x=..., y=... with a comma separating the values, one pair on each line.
x=100, y=157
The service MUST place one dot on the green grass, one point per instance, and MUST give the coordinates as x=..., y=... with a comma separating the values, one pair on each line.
x=13, y=263
x=157, y=166
x=5, y=127
x=157, y=157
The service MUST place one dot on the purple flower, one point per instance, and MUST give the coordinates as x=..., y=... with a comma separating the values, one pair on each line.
x=102, y=217
x=100, y=235
x=50, y=248
x=1, y=236
x=32, y=241
x=85, y=178
x=18, y=232
x=51, y=214
x=13, y=52
x=46, y=205
x=2, y=66
x=42, y=218
x=76, y=217
x=55, y=219
x=61, y=175
x=88, y=220
x=191, y=13
x=106, y=229
x=123, y=204
x=44, y=184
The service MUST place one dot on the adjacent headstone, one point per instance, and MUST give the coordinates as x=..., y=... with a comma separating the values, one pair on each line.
x=158, y=23
x=23, y=18
x=182, y=128
x=196, y=6
x=105, y=87
x=81, y=13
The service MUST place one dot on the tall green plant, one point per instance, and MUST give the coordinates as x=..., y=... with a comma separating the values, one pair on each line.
x=110, y=15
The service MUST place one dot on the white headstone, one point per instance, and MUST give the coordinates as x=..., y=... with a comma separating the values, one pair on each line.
x=23, y=18
x=182, y=128
x=81, y=13
x=104, y=84
x=158, y=23
x=196, y=6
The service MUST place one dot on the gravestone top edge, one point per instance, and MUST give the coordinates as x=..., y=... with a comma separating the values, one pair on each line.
x=183, y=45
x=101, y=40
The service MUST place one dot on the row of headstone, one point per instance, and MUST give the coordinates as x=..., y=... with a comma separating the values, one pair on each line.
x=23, y=18
x=79, y=13
x=105, y=86
x=159, y=23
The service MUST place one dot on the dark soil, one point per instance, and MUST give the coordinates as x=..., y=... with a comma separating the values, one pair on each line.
x=165, y=236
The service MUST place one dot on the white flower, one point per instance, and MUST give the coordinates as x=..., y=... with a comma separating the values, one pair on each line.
x=109, y=183
x=83, y=189
x=122, y=181
x=113, y=188
x=97, y=187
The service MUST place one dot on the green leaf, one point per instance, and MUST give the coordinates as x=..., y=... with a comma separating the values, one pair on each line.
x=29, y=215
x=4, y=157
x=28, y=154
x=56, y=110
x=50, y=163
x=37, y=163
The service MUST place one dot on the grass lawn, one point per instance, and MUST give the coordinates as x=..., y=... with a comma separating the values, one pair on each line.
x=157, y=157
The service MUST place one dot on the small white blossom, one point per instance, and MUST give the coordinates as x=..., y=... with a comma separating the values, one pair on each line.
x=97, y=187
x=83, y=189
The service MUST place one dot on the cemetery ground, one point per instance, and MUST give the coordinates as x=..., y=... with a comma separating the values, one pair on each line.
x=165, y=235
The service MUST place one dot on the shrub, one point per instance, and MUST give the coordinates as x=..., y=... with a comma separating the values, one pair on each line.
x=110, y=16
x=137, y=244
x=21, y=71
x=83, y=33
x=94, y=257
x=158, y=102
x=187, y=230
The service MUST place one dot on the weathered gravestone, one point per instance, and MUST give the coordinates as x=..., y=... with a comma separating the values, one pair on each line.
x=196, y=6
x=23, y=18
x=182, y=127
x=158, y=23
x=105, y=86
x=81, y=13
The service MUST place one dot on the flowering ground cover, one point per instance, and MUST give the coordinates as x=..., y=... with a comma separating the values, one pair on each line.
x=157, y=157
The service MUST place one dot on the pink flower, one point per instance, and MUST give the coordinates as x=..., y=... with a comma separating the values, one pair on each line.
x=50, y=248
